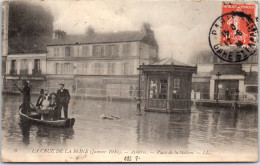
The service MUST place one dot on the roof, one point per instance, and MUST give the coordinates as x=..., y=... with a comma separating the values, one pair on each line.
x=100, y=38
x=170, y=61
x=168, y=65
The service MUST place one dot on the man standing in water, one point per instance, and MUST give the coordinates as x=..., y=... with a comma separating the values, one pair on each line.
x=63, y=98
x=26, y=97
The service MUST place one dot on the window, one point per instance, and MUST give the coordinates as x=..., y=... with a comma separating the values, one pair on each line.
x=98, y=51
x=111, y=68
x=85, y=68
x=55, y=51
x=37, y=65
x=112, y=50
x=126, y=68
x=67, y=68
x=85, y=51
x=58, y=68
x=126, y=50
x=13, y=65
x=62, y=51
x=67, y=51
x=158, y=88
x=58, y=51
x=97, y=68
x=176, y=83
x=131, y=69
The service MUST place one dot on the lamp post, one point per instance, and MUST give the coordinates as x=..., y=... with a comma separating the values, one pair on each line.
x=218, y=75
x=138, y=105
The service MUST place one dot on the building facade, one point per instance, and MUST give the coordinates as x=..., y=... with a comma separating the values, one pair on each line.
x=31, y=67
x=217, y=79
x=100, y=64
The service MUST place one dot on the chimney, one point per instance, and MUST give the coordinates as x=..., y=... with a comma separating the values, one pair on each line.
x=147, y=29
x=58, y=34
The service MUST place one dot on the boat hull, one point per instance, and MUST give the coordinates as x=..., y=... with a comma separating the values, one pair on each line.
x=36, y=119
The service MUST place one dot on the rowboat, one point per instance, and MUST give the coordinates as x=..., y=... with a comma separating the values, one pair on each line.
x=36, y=119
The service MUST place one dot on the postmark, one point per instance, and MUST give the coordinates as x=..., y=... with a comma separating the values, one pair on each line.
x=233, y=36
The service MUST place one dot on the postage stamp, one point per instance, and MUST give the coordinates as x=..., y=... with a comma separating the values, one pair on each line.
x=233, y=35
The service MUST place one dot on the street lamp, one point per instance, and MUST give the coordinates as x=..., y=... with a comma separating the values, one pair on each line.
x=138, y=105
x=218, y=75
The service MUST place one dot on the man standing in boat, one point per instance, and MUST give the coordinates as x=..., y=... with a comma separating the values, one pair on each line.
x=63, y=98
x=26, y=97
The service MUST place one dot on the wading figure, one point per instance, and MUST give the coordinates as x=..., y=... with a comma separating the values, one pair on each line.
x=227, y=94
x=63, y=98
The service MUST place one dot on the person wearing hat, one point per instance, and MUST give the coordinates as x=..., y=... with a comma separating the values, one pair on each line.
x=40, y=99
x=63, y=98
x=26, y=97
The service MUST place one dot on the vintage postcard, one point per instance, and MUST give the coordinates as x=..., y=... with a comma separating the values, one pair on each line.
x=129, y=81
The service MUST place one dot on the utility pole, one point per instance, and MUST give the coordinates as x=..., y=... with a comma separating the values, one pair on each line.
x=218, y=75
x=138, y=106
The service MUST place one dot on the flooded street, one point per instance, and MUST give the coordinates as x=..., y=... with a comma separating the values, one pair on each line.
x=202, y=129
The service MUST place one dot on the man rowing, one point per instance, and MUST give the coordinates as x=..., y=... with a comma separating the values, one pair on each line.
x=26, y=97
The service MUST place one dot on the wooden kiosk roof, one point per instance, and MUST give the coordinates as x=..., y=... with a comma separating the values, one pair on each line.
x=168, y=65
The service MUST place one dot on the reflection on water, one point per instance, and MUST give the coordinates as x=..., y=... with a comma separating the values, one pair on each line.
x=216, y=129
x=45, y=135
x=164, y=130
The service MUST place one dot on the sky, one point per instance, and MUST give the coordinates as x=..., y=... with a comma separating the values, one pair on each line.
x=181, y=27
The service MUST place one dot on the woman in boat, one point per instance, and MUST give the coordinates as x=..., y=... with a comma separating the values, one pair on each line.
x=45, y=104
x=53, y=107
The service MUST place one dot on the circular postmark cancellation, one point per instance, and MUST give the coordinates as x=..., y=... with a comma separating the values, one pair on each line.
x=233, y=37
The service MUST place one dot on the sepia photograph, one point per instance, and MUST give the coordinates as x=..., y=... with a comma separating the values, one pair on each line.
x=129, y=81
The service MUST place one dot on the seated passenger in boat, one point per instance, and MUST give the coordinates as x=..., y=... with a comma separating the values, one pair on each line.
x=46, y=101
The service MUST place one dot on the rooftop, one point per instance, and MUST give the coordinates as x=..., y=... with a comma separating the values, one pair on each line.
x=100, y=38
x=170, y=61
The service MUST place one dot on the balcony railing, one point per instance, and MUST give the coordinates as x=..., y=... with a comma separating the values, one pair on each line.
x=24, y=72
x=36, y=72
x=13, y=72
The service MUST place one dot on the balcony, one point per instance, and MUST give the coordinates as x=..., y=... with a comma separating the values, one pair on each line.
x=36, y=72
x=24, y=72
x=13, y=72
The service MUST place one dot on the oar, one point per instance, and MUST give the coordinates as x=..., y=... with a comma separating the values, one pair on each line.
x=22, y=93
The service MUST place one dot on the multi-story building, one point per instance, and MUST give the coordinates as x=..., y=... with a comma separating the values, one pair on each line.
x=217, y=77
x=31, y=67
x=100, y=64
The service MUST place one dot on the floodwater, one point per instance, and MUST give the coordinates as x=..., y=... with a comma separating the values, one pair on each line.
x=211, y=129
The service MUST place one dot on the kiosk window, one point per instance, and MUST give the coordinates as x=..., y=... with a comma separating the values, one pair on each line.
x=158, y=88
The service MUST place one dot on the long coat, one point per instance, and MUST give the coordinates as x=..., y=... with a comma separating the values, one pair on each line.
x=63, y=97
x=26, y=94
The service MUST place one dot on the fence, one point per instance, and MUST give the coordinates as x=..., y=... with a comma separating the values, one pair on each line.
x=247, y=97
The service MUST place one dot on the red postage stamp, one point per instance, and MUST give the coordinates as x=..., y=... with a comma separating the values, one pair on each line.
x=235, y=29
x=233, y=36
